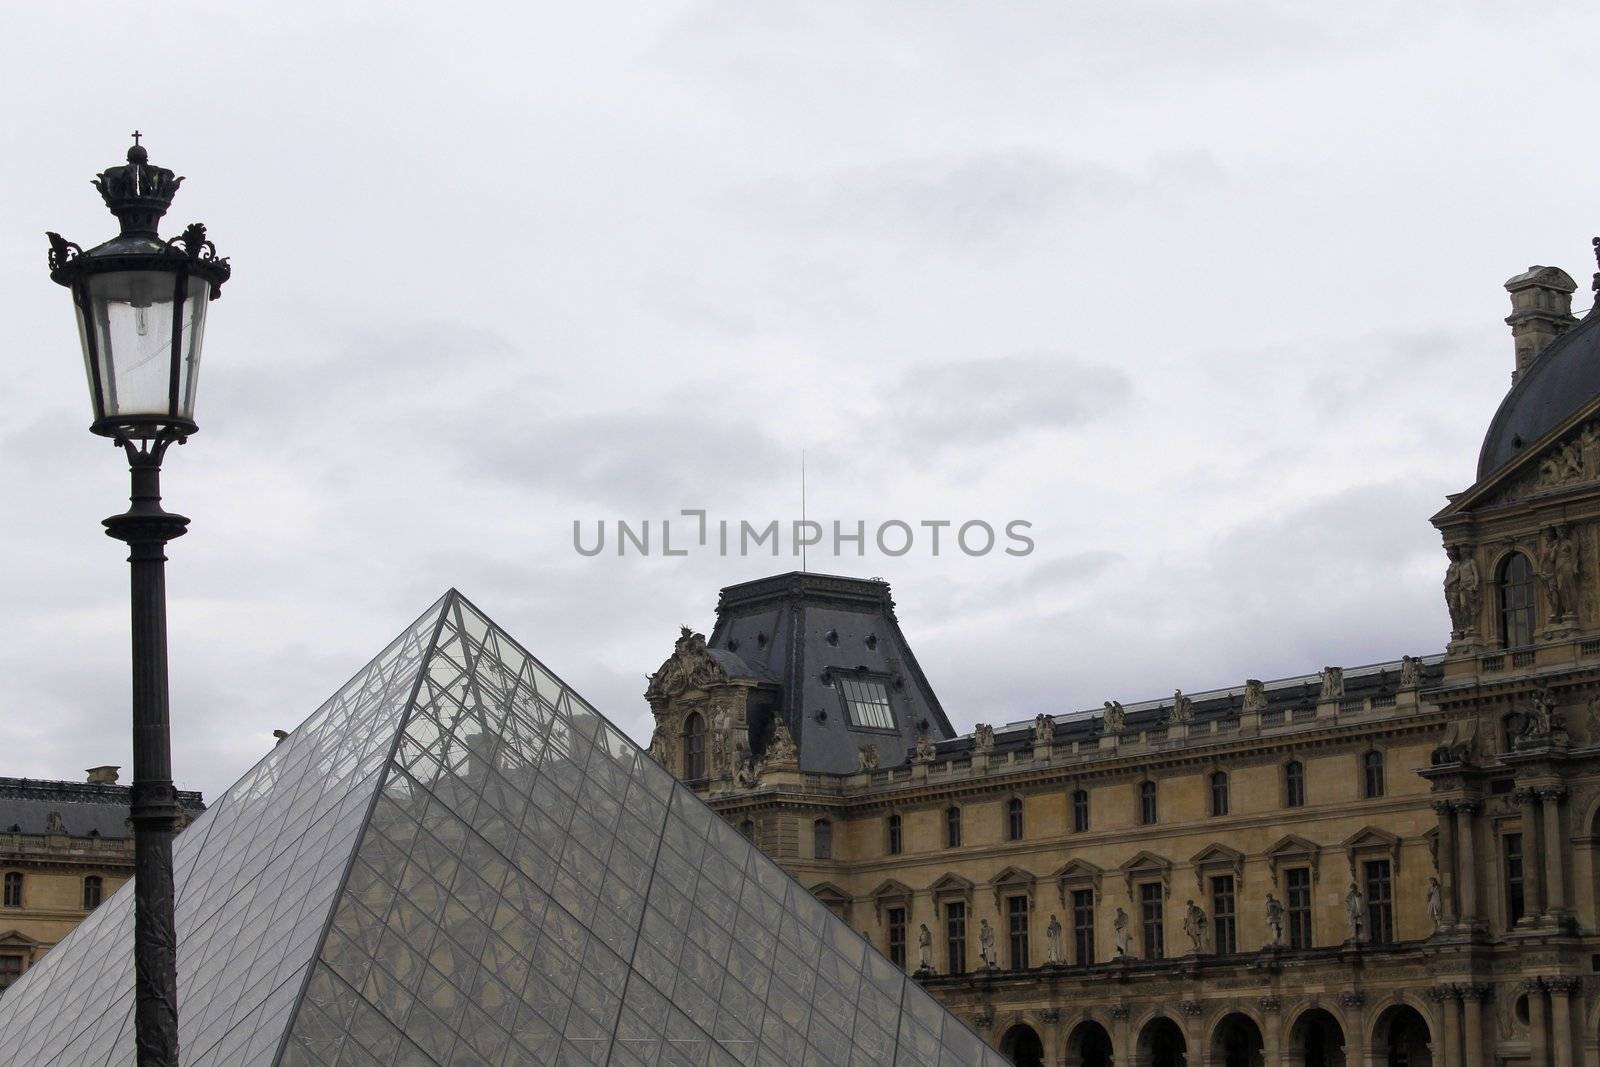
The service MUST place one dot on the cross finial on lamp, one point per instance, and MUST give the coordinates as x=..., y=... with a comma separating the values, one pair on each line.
x=136, y=136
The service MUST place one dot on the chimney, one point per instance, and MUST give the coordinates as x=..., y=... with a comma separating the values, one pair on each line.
x=1541, y=311
x=103, y=775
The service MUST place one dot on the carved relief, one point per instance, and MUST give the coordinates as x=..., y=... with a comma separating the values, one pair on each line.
x=1557, y=567
x=1114, y=719
x=1461, y=591
x=1044, y=729
x=689, y=667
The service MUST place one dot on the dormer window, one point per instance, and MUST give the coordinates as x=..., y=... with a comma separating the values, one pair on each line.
x=866, y=701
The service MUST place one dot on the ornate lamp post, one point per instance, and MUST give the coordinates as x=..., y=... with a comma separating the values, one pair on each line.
x=141, y=310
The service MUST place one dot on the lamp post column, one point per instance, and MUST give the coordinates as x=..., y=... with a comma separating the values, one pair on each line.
x=146, y=529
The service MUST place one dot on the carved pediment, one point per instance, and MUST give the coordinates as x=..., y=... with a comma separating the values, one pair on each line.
x=1142, y=867
x=1012, y=879
x=829, y=893
x=690, y=666
x=1075, y=875
x=891, y=893
x=952, y=887
x=833, y=898
x=1372, y=843
x=1217, y=859
x=1293, y=851
x=17, y=939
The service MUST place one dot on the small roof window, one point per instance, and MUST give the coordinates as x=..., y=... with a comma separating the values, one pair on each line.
x=867, y=701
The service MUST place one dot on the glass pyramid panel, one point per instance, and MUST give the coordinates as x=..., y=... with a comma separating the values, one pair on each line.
x=483, y=872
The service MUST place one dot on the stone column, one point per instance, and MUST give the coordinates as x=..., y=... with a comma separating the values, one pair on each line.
x=1538, y=1028
x=1472, y=998
x=1561, y=990
x=1532, y=875
x=1447, y=860
x=1467, y=884
x=1554, y=846
x=1272, y=1031
x=1447, y=1042
x=1122, y=1050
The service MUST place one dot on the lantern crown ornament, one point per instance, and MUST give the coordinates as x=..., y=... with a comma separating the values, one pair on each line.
x=141, y=304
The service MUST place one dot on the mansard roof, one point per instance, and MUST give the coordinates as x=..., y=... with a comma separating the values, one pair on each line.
x=86, y=809
x=804, y=631
x=1562, y=379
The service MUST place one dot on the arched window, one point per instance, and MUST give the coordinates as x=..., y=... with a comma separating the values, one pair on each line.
x=1294, y=784
x=694, y=747
x=1372, y=774
x=1147, y=803
x=822, y=839
x=1014, y=819
x=896, y=842
x=92, y=892
x=13, y=897
x=952, y=828
x=1080, y=811
x=1219, y=793
x=1514, y=591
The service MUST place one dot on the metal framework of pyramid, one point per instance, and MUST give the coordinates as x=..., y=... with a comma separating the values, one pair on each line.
x=457, y=862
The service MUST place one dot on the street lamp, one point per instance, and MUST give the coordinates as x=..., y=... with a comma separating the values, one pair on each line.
x=141, y=310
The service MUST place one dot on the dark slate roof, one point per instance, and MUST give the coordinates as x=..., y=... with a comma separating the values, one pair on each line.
x=779, y=630
x=1283, y=695
x=86, y=810
x=1564, y=378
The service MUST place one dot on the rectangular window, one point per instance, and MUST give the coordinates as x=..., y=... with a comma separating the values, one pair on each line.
x=1380, y=902
x=1147, y=803
x=93, y=891
x=10, y=969
x=13, y=898
x=1083, y=926
x=1294, y=784
x=1017, y=917
x=955, y=937
x=1014, y=819
x=897, y=937
x=952, y=828
x=1298, y=881
x=1224, y=920
x=895, y=842
x=1372, y=765
x=867, y=702
x=1152, y=909
x=1080, y=812
x=1515, y=902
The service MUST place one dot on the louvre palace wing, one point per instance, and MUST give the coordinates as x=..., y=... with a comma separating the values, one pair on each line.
x=457, y=862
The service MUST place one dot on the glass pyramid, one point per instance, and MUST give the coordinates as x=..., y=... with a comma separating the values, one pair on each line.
x=457, y=862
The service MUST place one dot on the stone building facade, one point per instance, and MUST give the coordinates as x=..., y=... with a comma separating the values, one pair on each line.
x=64, y=848
x=1387, y=864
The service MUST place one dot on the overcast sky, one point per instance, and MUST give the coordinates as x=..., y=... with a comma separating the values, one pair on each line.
x=1208, y=293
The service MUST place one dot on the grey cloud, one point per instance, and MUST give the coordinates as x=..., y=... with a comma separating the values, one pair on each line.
x=962, y=199
x=979, y=402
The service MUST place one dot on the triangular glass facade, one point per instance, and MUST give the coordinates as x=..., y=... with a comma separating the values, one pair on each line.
x=457, y=862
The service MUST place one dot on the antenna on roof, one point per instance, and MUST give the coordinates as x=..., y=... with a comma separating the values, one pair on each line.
x=802, y=509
